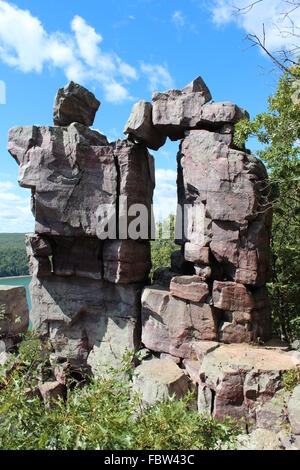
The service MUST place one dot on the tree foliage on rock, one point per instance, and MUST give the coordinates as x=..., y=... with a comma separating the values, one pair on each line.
x=278, y=129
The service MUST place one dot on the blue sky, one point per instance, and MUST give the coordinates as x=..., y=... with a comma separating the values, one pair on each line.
x=123, y=51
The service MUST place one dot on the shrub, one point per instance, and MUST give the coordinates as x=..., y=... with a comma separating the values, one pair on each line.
x=102, y=414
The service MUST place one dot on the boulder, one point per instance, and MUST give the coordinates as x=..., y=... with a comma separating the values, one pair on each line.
x=198, y=86
x=272, y=415
x=201, y=348
x=168, y=357
x=218, y=114
x=189, y=288
x=203, y=272
x=296, y=345
x=232, y=296
x=239, y=379
x=192, y=368
x=172, y=325
x=140, y=126
x=158, y=380
x=89, y=322
x=14, y=314
x=234, y=333
x=197, y=254
x=74, y=103
x=259, y=439
x=175, y=111
x=52, y=391
x=294, y=410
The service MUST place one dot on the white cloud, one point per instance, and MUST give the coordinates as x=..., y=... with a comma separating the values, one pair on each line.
x=15, y=213
x=115, y=93
x=127, y=71
x=88, y=41
x=165, y=195
x=158, y=76
x=268, y=12
x=178, y=19
x=26, y=45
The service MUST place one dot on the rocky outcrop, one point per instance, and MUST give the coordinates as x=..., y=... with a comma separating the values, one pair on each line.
x=87, y=268
x=90, y=255
x=236, y=380
x=294, y=413
x=140, y=126
x=158, y=380
x=14, y=316
x=73, y=103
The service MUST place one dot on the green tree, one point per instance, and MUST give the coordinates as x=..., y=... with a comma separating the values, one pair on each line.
x=278, y=129
x=164, y=245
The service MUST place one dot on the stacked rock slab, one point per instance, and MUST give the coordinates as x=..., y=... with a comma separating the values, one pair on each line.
x=215, y=289
x=87, y=275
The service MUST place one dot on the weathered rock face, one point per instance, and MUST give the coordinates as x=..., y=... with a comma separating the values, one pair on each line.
x=236, y=380
x=174, y=111
x=294, y=411
x=90, y=254
x=87, y=269
x=73, y=103
x=160, y=379
x=172, y=325
x=83, y=178
x=140, y=126
x=14, y=315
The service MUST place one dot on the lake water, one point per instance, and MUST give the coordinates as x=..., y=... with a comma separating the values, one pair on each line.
x=17, y=281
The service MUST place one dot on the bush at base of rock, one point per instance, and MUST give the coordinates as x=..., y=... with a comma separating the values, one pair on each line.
x=98, y=415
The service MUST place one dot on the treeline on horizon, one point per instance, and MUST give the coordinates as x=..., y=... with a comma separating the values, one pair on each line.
x=13, y=259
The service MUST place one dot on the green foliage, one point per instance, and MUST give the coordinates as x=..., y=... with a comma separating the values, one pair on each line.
x=171, y=425
x=291, y=379
x=278, y=130
x=13, y=259
x=164, y=245
x=102, y=414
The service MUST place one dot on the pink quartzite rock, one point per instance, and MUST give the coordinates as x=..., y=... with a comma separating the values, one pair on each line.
x=82, y=180
x=88, y=321
x=232, y=296
x=126, y=261
x=294, y=410
x=140, y=126
x=52, y=391
x=241, y=378
x=14, y=318
x=189, y=288
x=158, y=380
x=226, y=187
x=175, y=110
x=74, y=103
x=197, y=254
x=171, y=325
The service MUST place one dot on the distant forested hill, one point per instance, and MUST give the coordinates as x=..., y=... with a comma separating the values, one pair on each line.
x=13, y=260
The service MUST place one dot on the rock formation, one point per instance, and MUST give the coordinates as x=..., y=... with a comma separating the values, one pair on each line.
x=86, y=280
x=14, y=316
x=89, y=270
